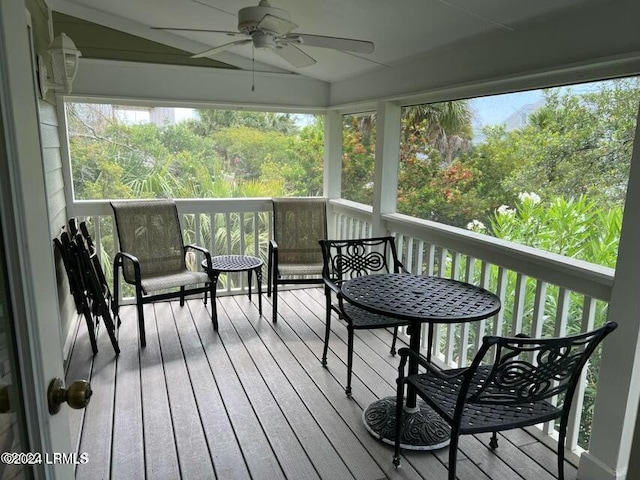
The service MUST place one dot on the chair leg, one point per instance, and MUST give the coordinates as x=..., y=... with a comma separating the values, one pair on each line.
x=111, y=330
x=393, y=343
x=274, y=303
x=453, y=453
x=327, y=331
x=182, y=296
x=349, y=362
x=214, y=306
x=269, y=276
x=493, y=443
x=399, y=402
x=92, y=332
x=141, y=332
x=561, y=439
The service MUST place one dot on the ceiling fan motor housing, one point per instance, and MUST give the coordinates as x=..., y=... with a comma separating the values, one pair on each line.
x=250, y=17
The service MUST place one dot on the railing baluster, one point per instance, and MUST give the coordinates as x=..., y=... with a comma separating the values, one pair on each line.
x=418, y=269
x=518, y=304
x=538, y=308
x=431, y=259
x=485, y=279
x=464, y=327
x=451, y=327
x=501, y=291
x=575, y=414
x=562, y=314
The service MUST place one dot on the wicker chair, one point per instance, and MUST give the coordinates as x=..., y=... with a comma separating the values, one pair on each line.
x=152, y=255
x=516, y=388
x=345, y=259
x=294, y=253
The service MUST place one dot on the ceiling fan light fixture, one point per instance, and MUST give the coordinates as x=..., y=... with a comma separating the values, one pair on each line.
x=263, y=40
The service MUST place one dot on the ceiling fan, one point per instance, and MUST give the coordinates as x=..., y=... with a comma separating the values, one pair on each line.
x=269, y=27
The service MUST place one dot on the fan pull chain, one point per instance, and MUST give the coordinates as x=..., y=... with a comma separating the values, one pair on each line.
x=253, y=68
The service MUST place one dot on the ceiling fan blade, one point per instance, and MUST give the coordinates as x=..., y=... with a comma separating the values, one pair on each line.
x=293, y=55
x=221, y=48
x=178, y=29
x=278, y=25
x=337, y=43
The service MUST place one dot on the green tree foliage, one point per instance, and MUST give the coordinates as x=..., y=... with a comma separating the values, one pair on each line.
x=223, y=154
x=358, y=157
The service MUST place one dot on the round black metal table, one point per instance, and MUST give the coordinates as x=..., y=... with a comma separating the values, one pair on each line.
x=419, y=299
x=234, y=263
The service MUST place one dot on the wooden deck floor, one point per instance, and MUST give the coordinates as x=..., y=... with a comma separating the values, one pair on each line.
x=254, y=402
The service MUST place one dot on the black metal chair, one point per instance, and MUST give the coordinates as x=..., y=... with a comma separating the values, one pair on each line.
x=152, y=256
x=346, y=259
x=515, y=389
x=294, y=254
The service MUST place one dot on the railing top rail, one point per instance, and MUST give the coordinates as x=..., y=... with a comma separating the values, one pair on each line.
x=576, y=275
x=186, y=205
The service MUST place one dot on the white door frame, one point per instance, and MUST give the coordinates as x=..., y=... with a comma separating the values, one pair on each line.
x=30, y=264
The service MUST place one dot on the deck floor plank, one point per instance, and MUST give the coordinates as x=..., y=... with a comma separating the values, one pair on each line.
x=286, y=446
x=253, y=401
x=256, y=448
x=315, y=442
x=350, y=409
x=161, y=456
x=225, y=451
x=98, y=420
x=128, y=435
x=191, y=443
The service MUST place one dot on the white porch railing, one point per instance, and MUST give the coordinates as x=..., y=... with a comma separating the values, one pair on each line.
x=224, y=226
x=542, y=293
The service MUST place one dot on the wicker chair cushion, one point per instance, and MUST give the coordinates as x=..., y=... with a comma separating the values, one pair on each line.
x=478, y=417
x=167, y=281
x=359, y=318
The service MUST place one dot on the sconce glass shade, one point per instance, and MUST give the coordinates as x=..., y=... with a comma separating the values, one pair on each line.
x=64, y=60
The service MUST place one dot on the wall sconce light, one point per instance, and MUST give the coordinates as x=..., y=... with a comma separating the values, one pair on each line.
x=63, y=56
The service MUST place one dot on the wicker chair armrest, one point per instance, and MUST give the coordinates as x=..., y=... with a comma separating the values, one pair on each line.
x=202, y=250
x=273, y=245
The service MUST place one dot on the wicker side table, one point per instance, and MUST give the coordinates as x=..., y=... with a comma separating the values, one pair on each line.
x=234, y=263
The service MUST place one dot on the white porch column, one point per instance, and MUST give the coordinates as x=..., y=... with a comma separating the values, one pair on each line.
x=332, y=162
x=385, y=181
x=616, y=405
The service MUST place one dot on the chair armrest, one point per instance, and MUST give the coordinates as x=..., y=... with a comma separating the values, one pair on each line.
x=405, y=353
x=118, y=260
x=203, y=250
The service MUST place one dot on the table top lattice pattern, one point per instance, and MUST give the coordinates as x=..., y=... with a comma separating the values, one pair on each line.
x=419, y=297
x=232, y=263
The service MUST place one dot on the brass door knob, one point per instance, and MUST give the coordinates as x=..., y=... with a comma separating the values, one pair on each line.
x=76, y=396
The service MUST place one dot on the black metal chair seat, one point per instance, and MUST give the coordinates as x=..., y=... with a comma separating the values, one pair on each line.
x=478, y=417
x=362, y=319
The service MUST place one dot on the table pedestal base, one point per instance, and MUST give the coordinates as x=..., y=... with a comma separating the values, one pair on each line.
x=422, y=428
